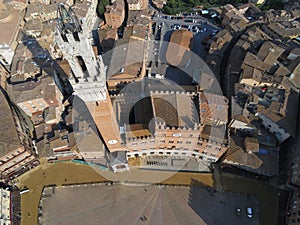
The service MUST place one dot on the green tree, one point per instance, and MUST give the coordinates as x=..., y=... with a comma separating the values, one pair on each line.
x=272, y=4
x=101, y=6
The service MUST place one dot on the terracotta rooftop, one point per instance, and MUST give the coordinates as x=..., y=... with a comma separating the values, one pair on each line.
x=256, y=34
x=103, y=116
x=44, y=88
x=35, y=105
x=179, y=46
x=269, y=52
x=290, y=109
x=251, y=73
x=233, y=17
x=139, y=31
x=89, y=141
x=242, y=118
x=294, y=67
x=159, y=3
x=251, y=144
x=282, y=71
x=10, y=20
x=285, y=29
x=33, y=25
x=58, y=142
x=116, y=7
x=255, y=62
x=50, y=8
x=222, y=38
x=263, y=163
x=236, y=154
x=127, y=57
x=26, y=62
x=213, y=107
x=81, y=8
x=32, y=9
x=107, y=38
x=140, y=17
x=165, y=110
x=214, y=133
x=133, y=1
x=175, y=109
x=137, y=130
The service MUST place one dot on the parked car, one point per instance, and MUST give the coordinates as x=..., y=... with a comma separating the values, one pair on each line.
x=238, y=211
x=213, y=15
x=176, y=26
x=249, y=212
x=215, y=32
x=188, y=21
x=185, y=26
x=196, y=27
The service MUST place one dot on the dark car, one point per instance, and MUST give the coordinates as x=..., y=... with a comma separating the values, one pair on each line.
x=185, y=26
x=238, y=211
x=195, y=28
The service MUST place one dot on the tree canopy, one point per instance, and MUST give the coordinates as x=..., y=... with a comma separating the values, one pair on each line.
x=179, y=6
x=101, y=7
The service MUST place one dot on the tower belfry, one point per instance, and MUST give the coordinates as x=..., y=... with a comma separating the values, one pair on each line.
x=89, y=75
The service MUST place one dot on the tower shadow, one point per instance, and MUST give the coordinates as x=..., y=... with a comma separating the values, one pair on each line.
x=47, y=65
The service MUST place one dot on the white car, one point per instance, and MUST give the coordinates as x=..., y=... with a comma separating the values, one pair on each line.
x=249, y=212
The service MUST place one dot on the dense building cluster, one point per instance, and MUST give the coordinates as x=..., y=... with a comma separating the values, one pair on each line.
x=74, y=86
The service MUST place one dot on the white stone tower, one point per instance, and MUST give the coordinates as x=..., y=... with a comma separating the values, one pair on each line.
x=88, y=82
x=89, y=75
